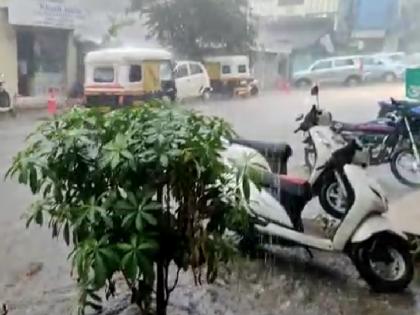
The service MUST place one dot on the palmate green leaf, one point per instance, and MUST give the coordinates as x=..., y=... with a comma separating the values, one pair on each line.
x=100, y=270
x=246, y=187
x=130, y=266
x=128, y=220
x=122, y=192
x=127, y=154
x=39, y=217
x=125, y=205
x=139, y=221
x=110, y=256
x=23, y=176
x=152, y=206
x=33, y=180
x=66, y=233
x=149, y=218
x=124, y=247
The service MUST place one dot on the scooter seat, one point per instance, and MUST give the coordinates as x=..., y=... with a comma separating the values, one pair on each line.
x=370, y=127
x=282, y=184
x=295, y=186
x=276, y=153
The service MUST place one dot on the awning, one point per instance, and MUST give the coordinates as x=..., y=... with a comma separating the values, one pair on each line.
x=286, y=35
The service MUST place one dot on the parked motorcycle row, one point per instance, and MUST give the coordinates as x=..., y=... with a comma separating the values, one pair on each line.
x=338, y=155
x=392, y=138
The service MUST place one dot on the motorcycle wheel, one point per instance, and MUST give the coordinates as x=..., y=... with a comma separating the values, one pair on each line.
x=411, y=168
x=4, y=99
x=385, y=263
x=332, y=202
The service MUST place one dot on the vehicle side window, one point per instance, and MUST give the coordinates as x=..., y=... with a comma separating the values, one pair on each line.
x=322, y=65
x=242, y=68
x=181, y=71
x=226, y=69
x=369, y=61
x=196, y=68
x=103, y=75
x=135, y=73
x=344, y=62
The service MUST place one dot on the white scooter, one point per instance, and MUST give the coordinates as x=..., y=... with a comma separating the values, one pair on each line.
x=378, y=250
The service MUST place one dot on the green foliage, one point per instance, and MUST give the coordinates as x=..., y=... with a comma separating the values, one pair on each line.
x=132, y=190
x=196, y=27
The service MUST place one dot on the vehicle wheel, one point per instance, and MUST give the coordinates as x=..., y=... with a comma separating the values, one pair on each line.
x=4, y=99
x=390, y=77
x=254, y=91
x=205, y=96
x=353, y=81
x=385, y=263
x=303, y=83
x=405, y=167
x=332, y=200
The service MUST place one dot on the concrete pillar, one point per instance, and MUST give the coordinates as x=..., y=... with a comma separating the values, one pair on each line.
x=8, y=53
x=71, y=63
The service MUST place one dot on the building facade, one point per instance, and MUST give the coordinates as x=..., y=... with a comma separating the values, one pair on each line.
x=279, y=8
x=37, y=46
x=291, y=33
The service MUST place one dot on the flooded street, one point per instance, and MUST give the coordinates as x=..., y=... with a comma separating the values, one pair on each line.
x=35, y=276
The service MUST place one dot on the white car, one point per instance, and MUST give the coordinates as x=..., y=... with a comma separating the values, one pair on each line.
x=192, y=80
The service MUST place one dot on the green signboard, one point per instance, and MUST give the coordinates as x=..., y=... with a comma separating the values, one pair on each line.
x=412, y=83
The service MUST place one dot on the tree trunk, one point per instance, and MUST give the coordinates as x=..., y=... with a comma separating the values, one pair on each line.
x=160, y=289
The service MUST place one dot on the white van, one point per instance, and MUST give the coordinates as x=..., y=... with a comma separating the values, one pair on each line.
x=192, y=80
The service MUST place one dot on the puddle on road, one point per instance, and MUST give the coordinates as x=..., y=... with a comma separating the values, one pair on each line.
x=292, y=283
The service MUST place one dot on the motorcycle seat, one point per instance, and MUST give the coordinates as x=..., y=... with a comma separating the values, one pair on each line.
x=370, y=127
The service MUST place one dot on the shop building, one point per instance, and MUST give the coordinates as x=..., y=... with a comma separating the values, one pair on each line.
x=37, y=46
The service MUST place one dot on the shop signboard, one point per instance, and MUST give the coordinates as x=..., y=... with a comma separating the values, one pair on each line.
x=60, y=14
x=412, y=84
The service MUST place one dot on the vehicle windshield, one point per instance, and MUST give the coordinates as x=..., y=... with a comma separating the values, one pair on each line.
x=166, y=71
x=103, y=75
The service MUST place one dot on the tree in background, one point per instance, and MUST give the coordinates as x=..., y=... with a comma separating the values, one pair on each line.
x=410, y=23
x=195, y=27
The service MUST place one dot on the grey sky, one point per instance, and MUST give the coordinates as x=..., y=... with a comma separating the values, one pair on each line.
x=101, y=12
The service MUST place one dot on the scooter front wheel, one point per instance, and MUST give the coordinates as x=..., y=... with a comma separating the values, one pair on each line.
x=385, y=263
x=405, y=167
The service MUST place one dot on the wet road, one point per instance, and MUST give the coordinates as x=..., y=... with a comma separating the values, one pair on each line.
x=34, y=274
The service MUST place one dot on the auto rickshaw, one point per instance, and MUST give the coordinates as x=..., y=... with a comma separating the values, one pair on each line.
x=126, y=77
x=230, y=75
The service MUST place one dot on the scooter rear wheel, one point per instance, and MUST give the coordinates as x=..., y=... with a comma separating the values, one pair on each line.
x=385, y=263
